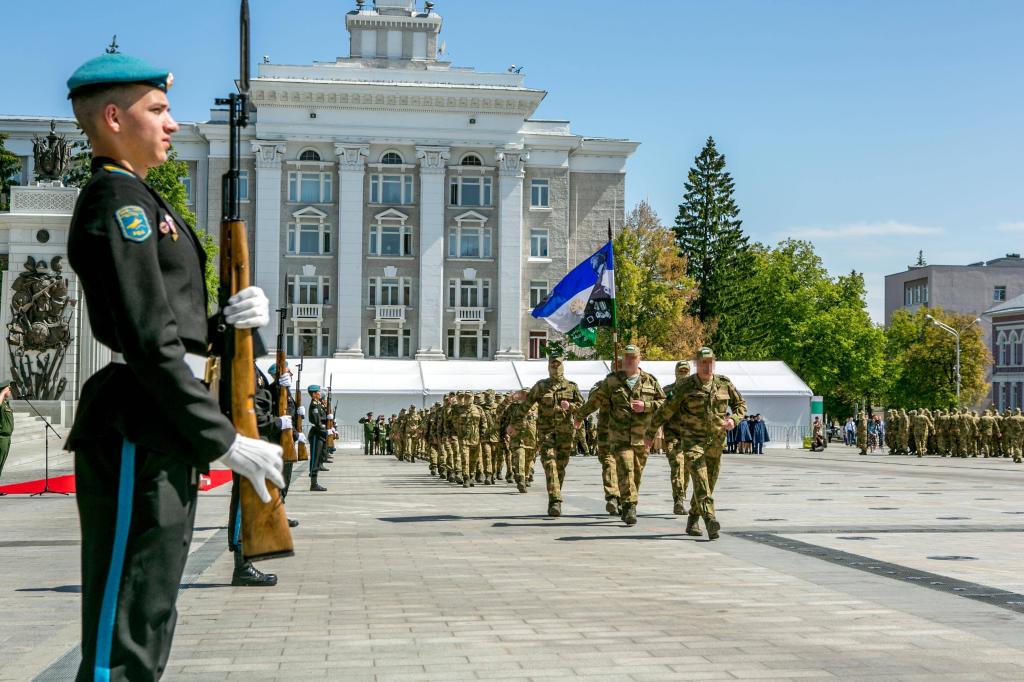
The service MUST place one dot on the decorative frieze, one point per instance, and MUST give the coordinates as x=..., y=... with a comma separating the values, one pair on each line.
x=268, y=154
x=512, y=161
x=351, y=157
x=367, y=100
x=432, y=159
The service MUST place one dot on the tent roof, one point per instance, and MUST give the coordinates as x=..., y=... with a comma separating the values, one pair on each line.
x=413, y=377
x=761, y=378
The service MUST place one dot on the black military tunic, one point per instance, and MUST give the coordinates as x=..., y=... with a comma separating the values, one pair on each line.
x=144, y=428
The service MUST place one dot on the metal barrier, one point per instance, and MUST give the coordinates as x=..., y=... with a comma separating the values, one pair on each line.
x=792, y=435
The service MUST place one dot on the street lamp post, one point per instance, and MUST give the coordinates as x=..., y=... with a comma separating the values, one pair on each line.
x=956, y=334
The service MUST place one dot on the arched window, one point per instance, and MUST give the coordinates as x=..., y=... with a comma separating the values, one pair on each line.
x=1001, y=349
x=471, y=160
x=392, y=158
x=309, y=155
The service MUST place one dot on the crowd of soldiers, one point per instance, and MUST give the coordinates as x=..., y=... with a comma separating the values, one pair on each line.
x=951, y=433
x=482, y=438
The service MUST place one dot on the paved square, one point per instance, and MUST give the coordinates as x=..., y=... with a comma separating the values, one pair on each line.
x=829, y=566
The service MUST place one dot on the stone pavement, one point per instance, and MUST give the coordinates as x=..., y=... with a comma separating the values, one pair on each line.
x=829, y=566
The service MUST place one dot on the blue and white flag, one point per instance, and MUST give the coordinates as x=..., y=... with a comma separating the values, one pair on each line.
x=585, y=297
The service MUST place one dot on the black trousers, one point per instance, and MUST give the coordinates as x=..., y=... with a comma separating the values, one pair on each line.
x=137, y=510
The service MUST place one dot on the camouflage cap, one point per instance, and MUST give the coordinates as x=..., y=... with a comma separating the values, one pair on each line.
x=705, y=353
x=631, y=349
x=683, y=364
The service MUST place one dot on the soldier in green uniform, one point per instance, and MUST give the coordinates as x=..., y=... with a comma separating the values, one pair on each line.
x=630, y=397
x=680, y=478
x=471, y=428
x=1014, y=435
x=699, y=409
x=555, y=397
x=367, y=423
x=521, y=430
x=609, y=470
x=988, y=430
x=6, y=424
x=922, y=425
x=491, y=444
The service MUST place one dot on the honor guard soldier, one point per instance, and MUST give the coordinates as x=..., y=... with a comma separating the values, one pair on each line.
x=137, y=468
x=317, y=437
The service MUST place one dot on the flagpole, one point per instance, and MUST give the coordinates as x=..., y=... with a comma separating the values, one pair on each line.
x=615, y=314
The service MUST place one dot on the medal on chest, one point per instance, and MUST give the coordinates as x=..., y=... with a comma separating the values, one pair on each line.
x=167, y=226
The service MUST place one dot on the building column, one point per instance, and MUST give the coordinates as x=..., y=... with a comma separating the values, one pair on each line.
x=349, y=298
x=430, y=335
x=266, y=262
x=92, y=355
x=511, y=172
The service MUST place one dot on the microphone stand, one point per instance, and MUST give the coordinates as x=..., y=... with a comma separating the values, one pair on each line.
x=46, y=451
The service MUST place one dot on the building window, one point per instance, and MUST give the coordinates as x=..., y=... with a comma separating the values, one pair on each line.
x=469, y=241
x=469, y=343
x=309, y=155
x=539, y=191
x=391, y=189
x=308, y=290
x=392, y=158
x=390, y=240
x=308, y=341
x=999, y=293
x=389, y=343
x=469, y=293
x=538, y=242
x=471, y=160
x=309, y=188
x=389, y=291
x=309, y=238
x=538, y=292
x=538, y=342
x=186, y=180
x=470, y=191
x=915, y=293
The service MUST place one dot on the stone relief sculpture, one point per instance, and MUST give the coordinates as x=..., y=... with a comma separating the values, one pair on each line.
x=39, y=333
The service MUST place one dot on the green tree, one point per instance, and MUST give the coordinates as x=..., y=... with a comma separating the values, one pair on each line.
x=166, y=179
x=652, y=291
x=816, y=323
x=921, y=357
x=10, y=165
x=80, y=169
x=710, y=236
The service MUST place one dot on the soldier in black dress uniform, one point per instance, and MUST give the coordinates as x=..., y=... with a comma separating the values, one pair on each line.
x=317, y=437
x=146, y=427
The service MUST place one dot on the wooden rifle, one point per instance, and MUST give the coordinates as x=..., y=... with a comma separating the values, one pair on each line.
x=330, y=422
x=265, y=532
x=287, y=435
x=303, y=450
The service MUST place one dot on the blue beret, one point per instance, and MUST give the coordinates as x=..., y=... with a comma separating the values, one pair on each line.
x=313, y=388
x=110, y=69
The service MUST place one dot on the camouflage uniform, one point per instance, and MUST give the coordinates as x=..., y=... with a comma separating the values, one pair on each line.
x=398, y=435
x=521, y=428
x=678, y=473
x=491, y=442
x=626, y=428
x=922, y=425
x=451, y=431
x=988, y=430
x=904, y=432
x=609, y=471
x=411, y=434
x=471, y=425
x=699, y=411
x=554, y=427
x=1014, y=435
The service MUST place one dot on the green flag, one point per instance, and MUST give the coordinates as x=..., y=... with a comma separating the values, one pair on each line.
x=582, y=336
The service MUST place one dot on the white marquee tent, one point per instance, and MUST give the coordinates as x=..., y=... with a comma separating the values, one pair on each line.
x=770, y=388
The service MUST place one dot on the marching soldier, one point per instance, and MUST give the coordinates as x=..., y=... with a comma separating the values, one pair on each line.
x=141, y=267
x=676, y=461
x=555, y=397
x=605, y=456
x=367, y=423
x=698, y=407
x=521, y=431
x=630, y=397
x=317, y=437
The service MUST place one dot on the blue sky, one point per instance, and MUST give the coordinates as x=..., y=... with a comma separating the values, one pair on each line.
x=874, y=129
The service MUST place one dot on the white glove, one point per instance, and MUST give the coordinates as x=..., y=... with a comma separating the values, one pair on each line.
x=330, y=417
x=333, y=432
x=284, y=423
x=285, y=380
x=248, y=309
x=257, y=461
x=302, y=438
x=300, y=411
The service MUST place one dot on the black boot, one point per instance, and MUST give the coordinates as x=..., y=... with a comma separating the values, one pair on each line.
x=630, y=516
x=678, y=509
x=315, y=487
x=554, y=508
x=479, y=477
x=292, y=523
x=693, y=525
x=611, y=506
x=711, y=523
x=521, y=487
x=322, y=468
x=247, y=575
x=433, y=470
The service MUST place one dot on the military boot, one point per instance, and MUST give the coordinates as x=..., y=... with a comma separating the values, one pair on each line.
x=466, y=483
x=711, y=523
x=693, y=525
x=611, y=506
x=315, y=487
x=247, y=575
x=433, y=470
x=479, y=478
x=554, y=508
x=508, y=477
x=450, y=477
x=520, y=486
x=629, y=517
x=678, y=509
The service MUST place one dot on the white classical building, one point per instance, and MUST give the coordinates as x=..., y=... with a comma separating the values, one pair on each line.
x=399, y=206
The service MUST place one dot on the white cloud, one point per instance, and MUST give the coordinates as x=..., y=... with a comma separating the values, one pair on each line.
x=1017, y=226
x=889, y=228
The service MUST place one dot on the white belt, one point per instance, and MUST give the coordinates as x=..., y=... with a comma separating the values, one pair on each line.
x=196, y=363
